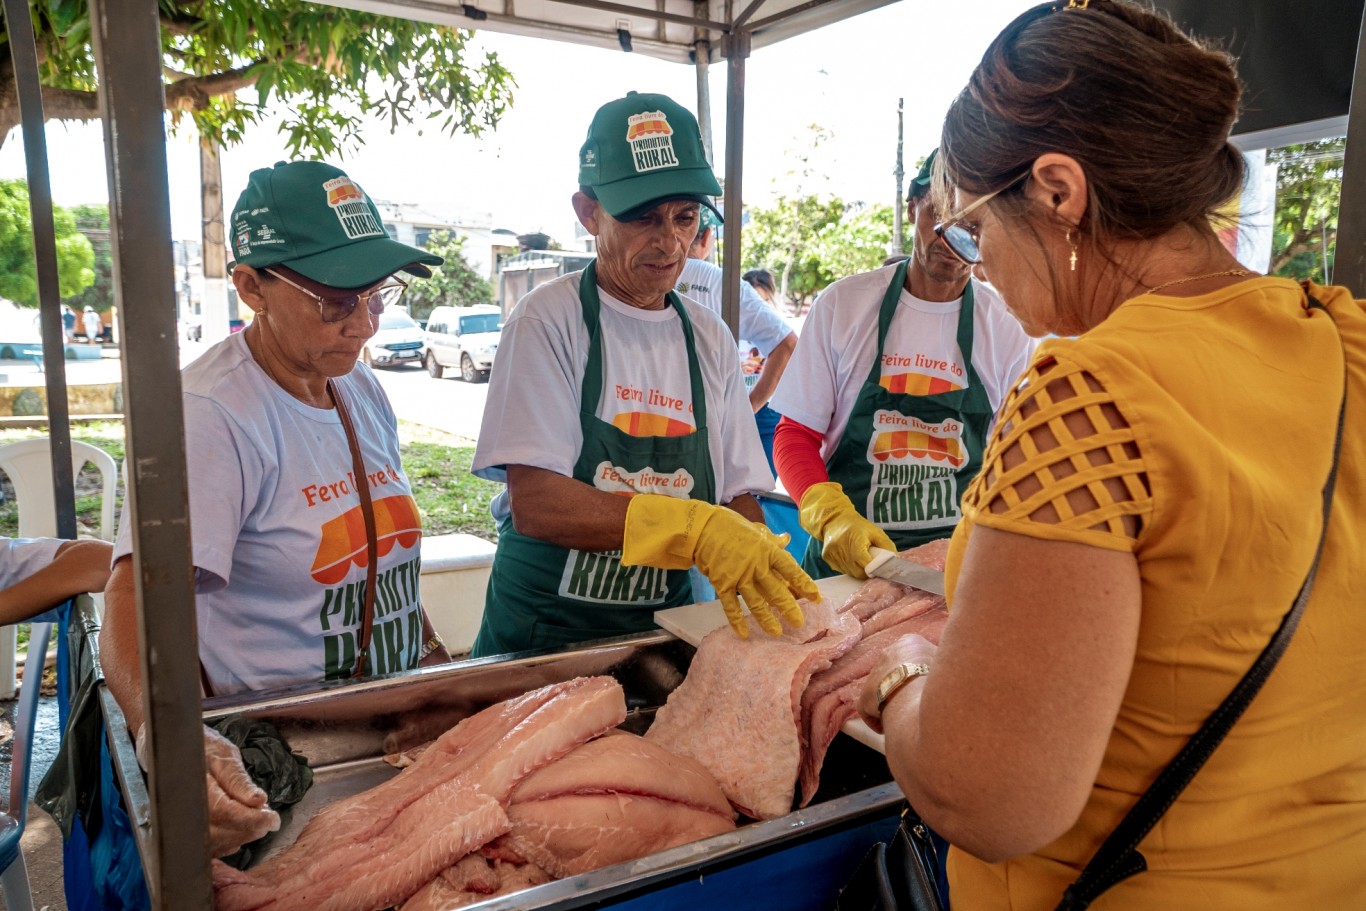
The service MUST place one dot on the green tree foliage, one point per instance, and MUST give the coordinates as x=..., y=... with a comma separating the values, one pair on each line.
x=93, y=222
x=859, y=241
x=784, y=239
x=18, y=271
x=333, y=66
x=454, y=284
x=1308, y=190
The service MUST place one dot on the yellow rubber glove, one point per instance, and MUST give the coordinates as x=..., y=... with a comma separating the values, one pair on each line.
x=738, y=556
x=845, y=535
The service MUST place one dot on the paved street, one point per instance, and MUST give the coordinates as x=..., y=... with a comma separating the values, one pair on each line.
x=448, y=404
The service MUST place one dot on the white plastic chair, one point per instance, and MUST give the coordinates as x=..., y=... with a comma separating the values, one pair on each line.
x=28, y=463
x=14, y=883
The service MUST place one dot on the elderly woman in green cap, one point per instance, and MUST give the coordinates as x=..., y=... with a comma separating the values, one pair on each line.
x=887, y=401
x=617, y=416
x=305, y=535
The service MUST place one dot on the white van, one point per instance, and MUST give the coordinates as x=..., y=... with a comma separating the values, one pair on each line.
x=463, y=337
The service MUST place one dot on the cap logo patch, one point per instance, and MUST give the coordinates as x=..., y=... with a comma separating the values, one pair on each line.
x=651, y=139
x=352, y=208
x=244, y=243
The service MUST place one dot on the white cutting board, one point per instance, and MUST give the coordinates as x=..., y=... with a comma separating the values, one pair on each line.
x=692, y=622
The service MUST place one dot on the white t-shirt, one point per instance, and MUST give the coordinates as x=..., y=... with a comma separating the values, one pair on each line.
x=531, y=415
x=278, y=540
x=22, y=557
x=839, y=341
x=761, y=328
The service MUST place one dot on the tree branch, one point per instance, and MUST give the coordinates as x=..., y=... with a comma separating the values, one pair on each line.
x=192, y=93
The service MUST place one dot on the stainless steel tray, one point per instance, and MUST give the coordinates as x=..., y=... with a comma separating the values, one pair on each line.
x=344, y=731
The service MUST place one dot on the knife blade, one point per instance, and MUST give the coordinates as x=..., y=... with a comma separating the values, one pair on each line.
x=890, y=566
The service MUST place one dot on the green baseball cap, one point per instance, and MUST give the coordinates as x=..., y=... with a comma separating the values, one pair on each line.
x=920, y=184
x=310, y=217
x=643, y=150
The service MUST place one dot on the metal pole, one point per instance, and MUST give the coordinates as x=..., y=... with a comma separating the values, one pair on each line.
x=702, y=63
x=898, y=204
x=737, y=51
x=25, y=55
x=1349, y=263
x=175, y=847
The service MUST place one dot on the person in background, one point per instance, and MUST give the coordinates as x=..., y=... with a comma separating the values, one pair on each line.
x=90, y=321
x=766, y=342
x=277, y=418
x=886, y=405
x=68, y=324
x=39, y=573
x=761, y=280
x=633, y=455
x=1141, y=526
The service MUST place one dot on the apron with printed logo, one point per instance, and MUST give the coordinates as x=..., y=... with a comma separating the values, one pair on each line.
x=908, y=453
x=541, y=595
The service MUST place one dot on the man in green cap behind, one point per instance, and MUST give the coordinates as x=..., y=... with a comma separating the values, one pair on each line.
x=886, y=404
x=617, y=416
x=280, y=422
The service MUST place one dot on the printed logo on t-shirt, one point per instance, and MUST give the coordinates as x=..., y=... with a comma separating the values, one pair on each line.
x=664, y=415
x=396, y=633
x=914, y=465
x=920, y=374
x=651, y=139
x=342, y=543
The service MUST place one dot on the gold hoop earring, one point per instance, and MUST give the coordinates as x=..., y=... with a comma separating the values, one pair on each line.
x=1071, y=243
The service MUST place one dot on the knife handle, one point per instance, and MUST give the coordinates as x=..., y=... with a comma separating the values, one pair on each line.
x=879, y=557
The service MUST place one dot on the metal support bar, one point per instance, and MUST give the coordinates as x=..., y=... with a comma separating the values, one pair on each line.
x=737, y=52
x=786, y=14
x=746, y=14
x=1349, y=262
x=25, y=55
x=644, y=13
x=702, y=65
x=175, y=847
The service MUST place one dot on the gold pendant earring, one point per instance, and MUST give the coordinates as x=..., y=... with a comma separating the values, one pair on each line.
x=1073, y=258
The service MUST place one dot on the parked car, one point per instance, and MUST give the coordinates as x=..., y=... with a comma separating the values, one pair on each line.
x=398, y=341
x=464, y=338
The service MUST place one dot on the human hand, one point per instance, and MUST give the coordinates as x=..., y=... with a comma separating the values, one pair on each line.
x=845, y=536
x=238, y=812
x=742, y=559
x=911, y=649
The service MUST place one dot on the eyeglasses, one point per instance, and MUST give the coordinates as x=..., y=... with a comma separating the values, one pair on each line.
x=336, y=309
x=962, y=240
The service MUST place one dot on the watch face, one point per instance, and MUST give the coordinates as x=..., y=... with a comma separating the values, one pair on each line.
x=896, y=678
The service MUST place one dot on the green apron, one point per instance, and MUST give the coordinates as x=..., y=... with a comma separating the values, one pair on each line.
x=905, y=460
x=541, y=595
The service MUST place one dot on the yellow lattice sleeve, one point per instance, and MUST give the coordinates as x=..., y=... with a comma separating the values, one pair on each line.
x=1063, y=464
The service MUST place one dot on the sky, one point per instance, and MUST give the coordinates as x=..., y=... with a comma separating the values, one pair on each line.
x=845, y=78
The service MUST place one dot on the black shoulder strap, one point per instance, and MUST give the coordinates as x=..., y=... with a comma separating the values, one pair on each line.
x=1118, y=858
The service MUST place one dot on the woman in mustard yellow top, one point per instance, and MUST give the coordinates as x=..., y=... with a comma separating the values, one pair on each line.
x=1148, y=507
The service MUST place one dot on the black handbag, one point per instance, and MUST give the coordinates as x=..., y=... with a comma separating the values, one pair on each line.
x=1118, y=857
x=901, y=875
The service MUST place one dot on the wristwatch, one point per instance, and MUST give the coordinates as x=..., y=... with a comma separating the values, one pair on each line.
x=895, y=679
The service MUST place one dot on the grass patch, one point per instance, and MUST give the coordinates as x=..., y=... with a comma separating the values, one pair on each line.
x=449, y=498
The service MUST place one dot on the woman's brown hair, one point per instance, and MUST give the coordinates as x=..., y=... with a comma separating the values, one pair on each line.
x=1145, y=109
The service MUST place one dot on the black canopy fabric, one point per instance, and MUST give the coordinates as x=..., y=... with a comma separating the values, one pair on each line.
x=1296, y=58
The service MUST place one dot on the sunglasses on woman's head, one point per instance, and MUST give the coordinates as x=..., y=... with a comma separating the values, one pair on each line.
x=962, y=240
x=336, y=309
